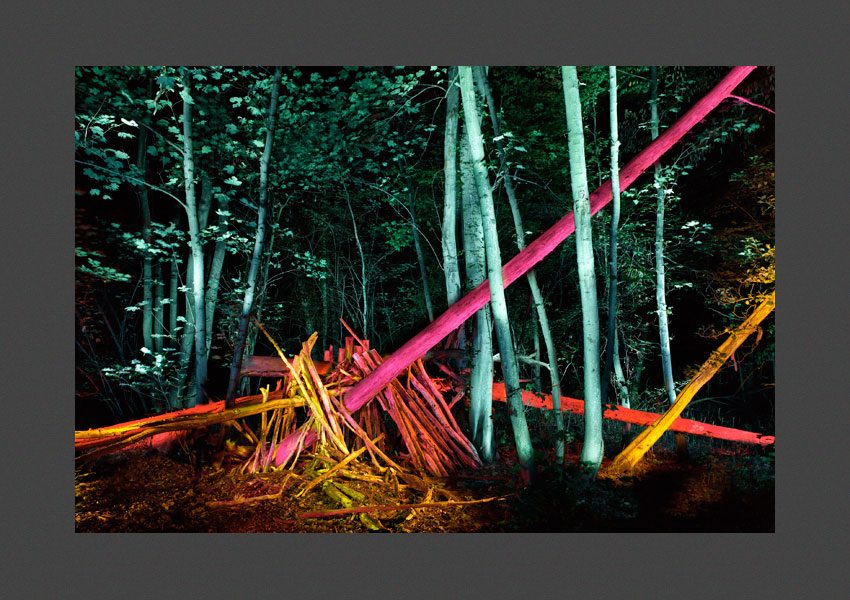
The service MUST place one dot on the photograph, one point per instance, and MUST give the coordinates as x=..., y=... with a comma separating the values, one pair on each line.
x=424, y=299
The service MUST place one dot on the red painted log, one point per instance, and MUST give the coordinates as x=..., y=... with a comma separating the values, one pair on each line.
x=640, y=417
x=464, y=308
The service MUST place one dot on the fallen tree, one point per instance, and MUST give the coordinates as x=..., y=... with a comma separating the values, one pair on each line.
x=632, y=453
x=640, y=417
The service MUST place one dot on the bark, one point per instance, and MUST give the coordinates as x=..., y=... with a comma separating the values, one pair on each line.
x=611, y=347
x=450, y=260
x=481, y=371
x=510, y=370
x=464, y=308
x=592, y=449
x=660, y=291
x=187, y=338
x=195, y=244
x=537, y=296
x=158, y=322
x=248, y=302
x=147, y=272
x=173, y=284
x=632, y=454
x=216, y=265
x=420, y=257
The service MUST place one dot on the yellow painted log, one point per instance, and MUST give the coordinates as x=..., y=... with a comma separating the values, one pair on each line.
x=632, y=454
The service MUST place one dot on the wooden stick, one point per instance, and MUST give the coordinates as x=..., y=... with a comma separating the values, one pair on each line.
x=395, y=508
x=632, y=454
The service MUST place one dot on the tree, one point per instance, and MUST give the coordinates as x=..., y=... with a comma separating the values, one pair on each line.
x=481, y=358
x=450, y=262
x=660, y=291
x=198, y=285
x=259, y=239
x=611, y=349
x=522, y=438
x=592, y=449
x=531, y=276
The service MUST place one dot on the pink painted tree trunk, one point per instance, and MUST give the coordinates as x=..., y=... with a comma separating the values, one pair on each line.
x=536, y=251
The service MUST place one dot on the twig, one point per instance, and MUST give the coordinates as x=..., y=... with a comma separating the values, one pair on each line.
x=330, y=472
x=398, y=507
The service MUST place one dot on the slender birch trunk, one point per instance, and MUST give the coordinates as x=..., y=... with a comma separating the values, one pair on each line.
x=450, y=261
x=195, y=244
x=592, y=449
x=248, y=302
x=522, y=438
x=173, y=284
x=531, y=276
x=660, y=291
x=611, y=348
x=481, y=374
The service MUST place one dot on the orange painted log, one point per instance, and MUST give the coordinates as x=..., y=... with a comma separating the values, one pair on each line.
x=640, y=417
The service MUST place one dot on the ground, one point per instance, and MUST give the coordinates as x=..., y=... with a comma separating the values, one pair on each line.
x=718, y=490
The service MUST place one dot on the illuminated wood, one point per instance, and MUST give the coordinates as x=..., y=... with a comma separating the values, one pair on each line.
x=640, y=417
x=632, y=454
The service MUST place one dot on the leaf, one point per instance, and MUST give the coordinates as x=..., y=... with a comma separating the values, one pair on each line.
x=232, y=180
x=131, y=123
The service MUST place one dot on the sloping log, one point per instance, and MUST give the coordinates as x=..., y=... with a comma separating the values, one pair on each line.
x=536, y=251
x=632, y=453
x=640, y=417
x=162, y=431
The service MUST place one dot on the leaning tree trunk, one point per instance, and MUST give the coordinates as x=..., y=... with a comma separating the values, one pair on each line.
x=592, y=449
x=660, y=292
x=537, y=296
x=450, y=261
x=195, y=244
x=248, y=302
x=522, y=438
x=481, y=374
x=610, y=349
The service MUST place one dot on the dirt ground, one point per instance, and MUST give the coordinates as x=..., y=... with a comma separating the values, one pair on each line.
x=721, y=491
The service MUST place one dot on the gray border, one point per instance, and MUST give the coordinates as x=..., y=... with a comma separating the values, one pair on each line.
x=44, y=558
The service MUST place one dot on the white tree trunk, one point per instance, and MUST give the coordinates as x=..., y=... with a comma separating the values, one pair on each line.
x=522, y=438
x=592, y=450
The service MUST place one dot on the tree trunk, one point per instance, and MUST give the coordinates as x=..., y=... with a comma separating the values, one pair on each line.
x=611, y=347
x=147, y=275
x=216, y=264
x=248, y=302
x=420, y=257
x=450, y=261
x=195, y=244
x=158, y=321
x=522, y=438
x=173, y=285
x=660, y=292
x=592, y=449
x=187, y=338
x=481, y=374
x=537, y=296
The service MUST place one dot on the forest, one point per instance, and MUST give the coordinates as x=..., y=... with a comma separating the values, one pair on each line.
x=421, y=299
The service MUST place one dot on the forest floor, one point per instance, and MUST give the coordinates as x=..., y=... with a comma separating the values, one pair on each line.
x=717, y=490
